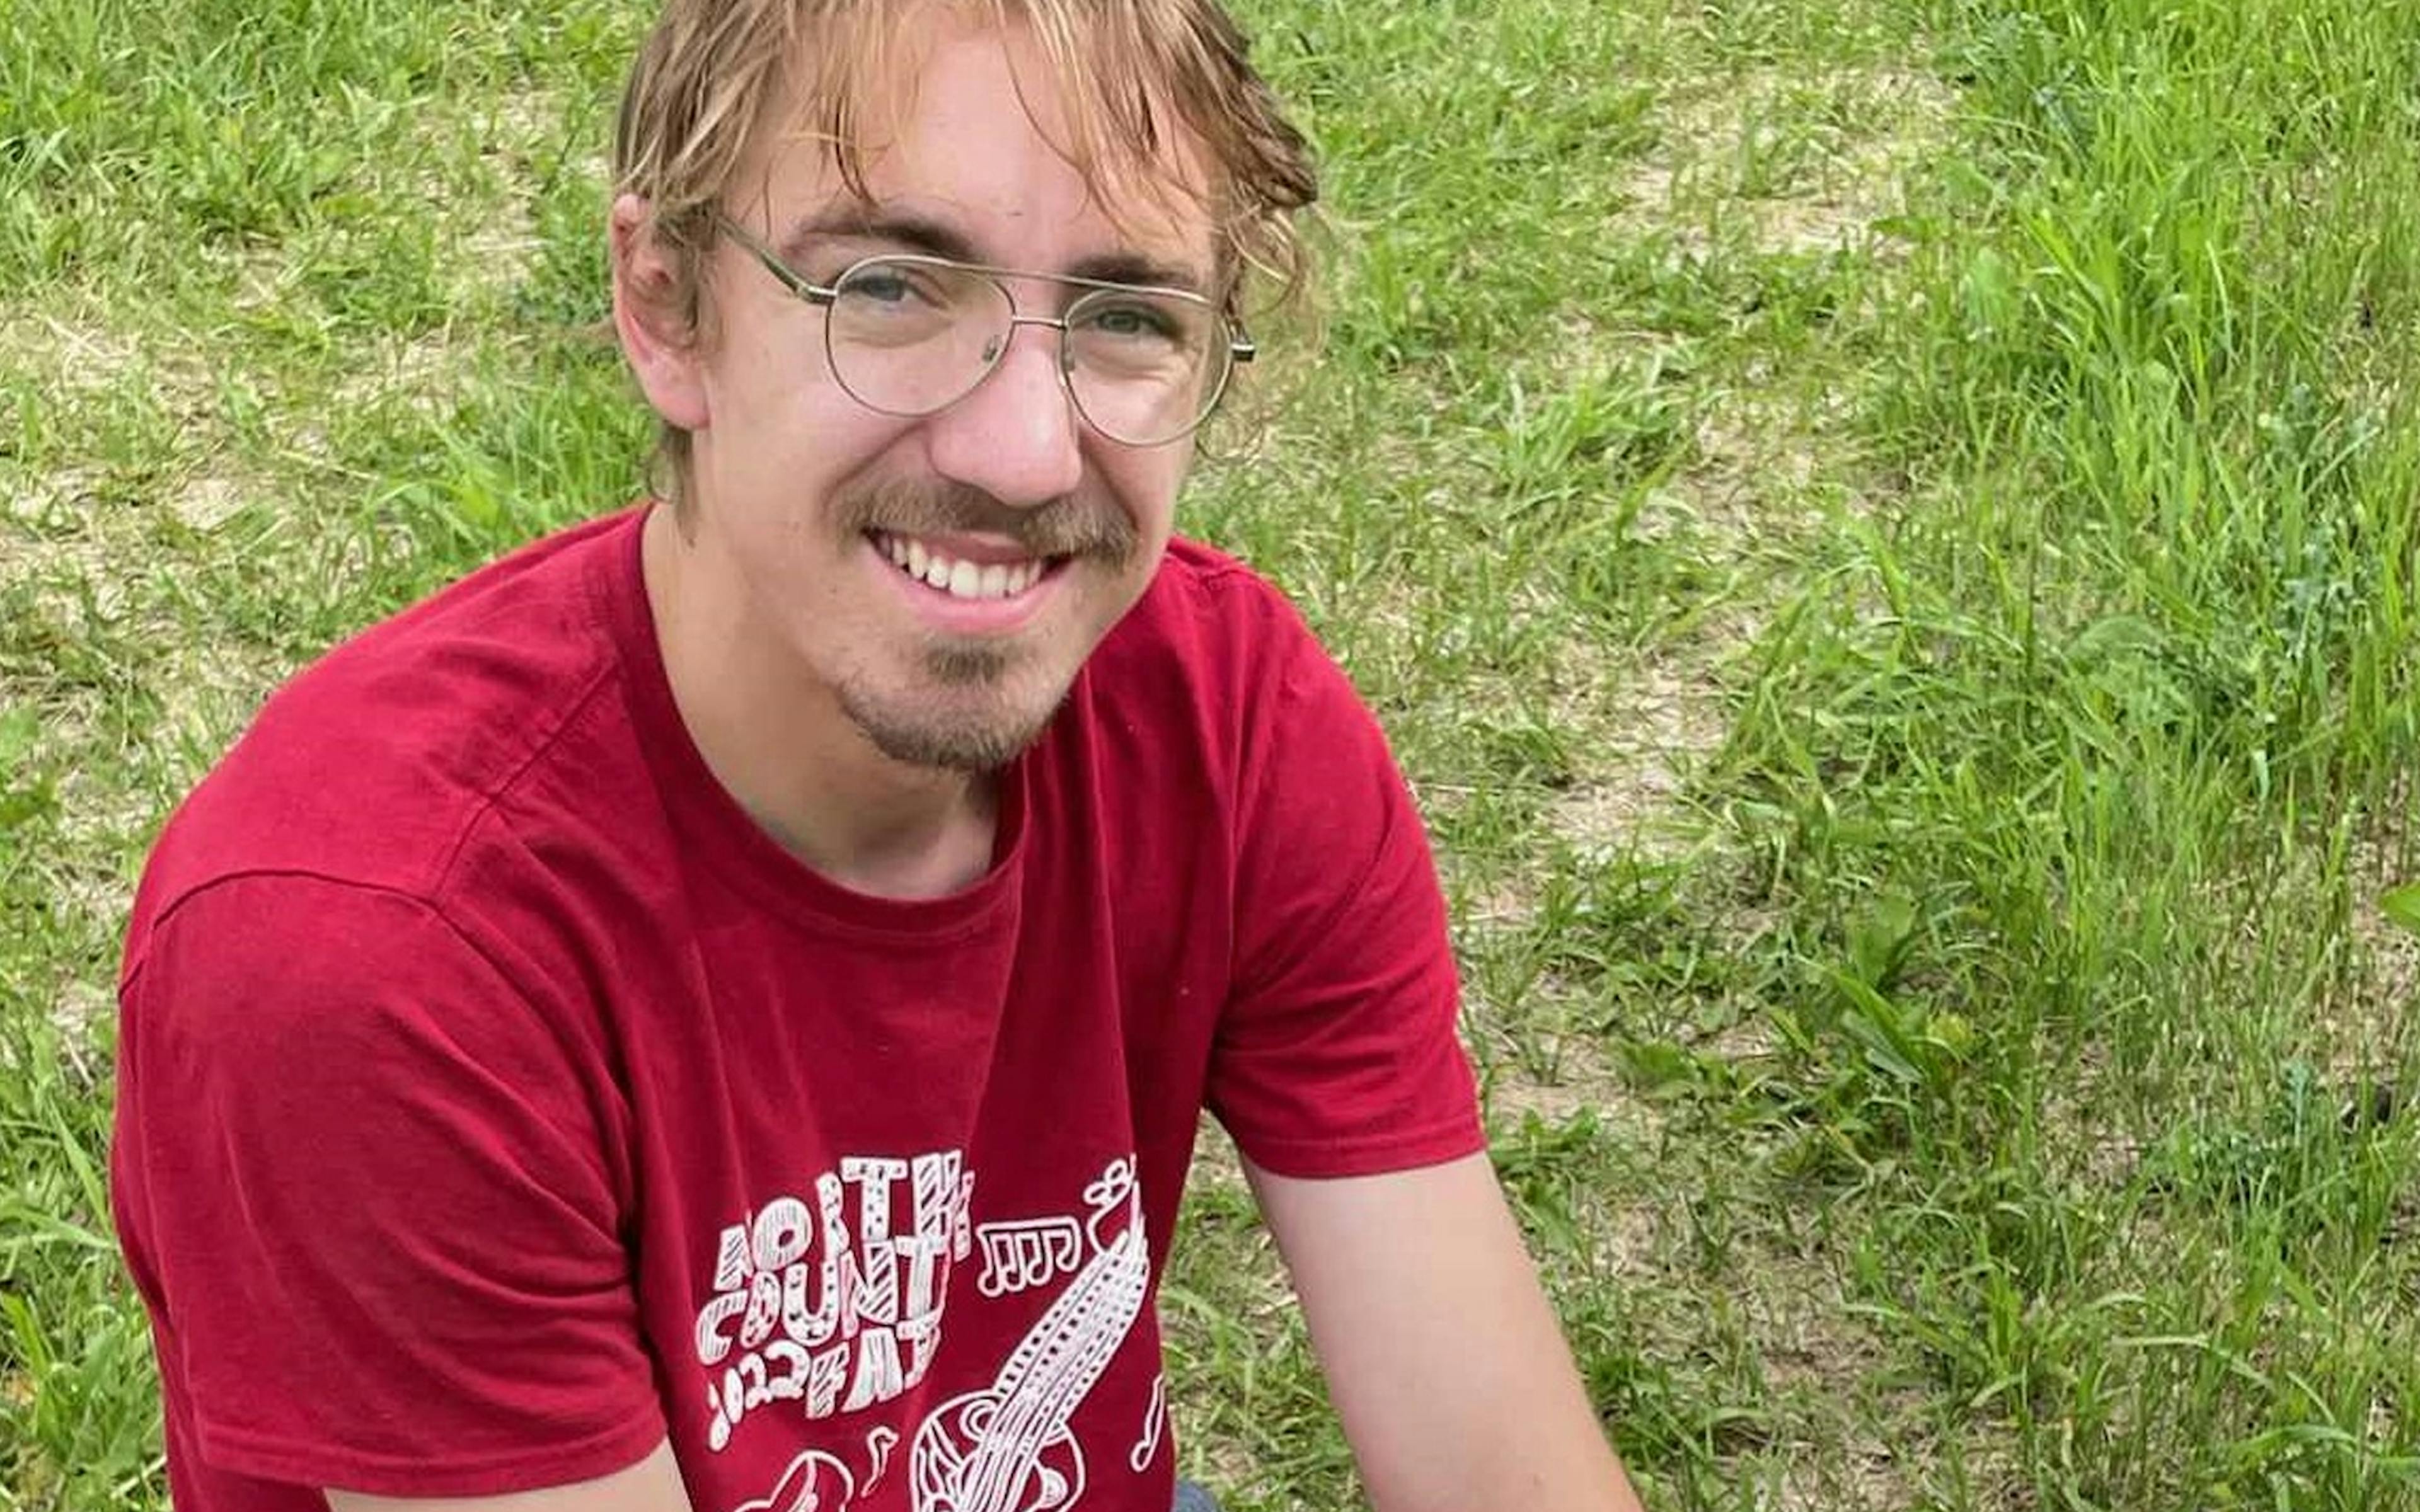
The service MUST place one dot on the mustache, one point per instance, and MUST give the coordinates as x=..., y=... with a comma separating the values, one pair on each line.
x=1061, y=527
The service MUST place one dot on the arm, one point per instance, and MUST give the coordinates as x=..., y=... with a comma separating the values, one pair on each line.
x=652, y=1485
x=1456, y=1389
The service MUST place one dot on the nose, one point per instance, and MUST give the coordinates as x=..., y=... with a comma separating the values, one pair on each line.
x=1017, y=436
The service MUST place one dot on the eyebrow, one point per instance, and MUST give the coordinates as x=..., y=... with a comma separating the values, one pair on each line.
x=917, y=233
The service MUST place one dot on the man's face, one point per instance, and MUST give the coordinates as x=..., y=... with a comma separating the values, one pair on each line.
x=1046, y=531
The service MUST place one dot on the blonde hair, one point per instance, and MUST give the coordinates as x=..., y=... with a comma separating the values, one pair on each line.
x=708, y=75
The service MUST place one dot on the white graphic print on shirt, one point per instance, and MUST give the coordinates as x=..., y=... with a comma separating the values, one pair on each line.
x=1033, y=1252
x=1155, y=1425
x=879, y=1446
x=816, y=1482
x=1007, y=1448
x=835, y=1307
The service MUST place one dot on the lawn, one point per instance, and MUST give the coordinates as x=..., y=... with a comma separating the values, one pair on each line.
x=1884, y=533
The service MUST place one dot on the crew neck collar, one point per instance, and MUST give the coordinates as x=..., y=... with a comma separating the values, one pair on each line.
x=723, y=838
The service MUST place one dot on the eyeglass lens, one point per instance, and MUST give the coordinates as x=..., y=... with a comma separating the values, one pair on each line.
x=908, y=336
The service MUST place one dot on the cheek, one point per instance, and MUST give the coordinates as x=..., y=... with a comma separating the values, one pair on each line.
x=773, y=384
x=784, y=457
x=1149, y=484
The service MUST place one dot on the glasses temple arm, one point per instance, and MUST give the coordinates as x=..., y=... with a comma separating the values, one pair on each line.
x=788, y=276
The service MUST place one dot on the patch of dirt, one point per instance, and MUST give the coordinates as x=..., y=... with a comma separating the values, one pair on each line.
x=2386, y=855
x=497, y=255
x=81, y=1005
x=417, y=371
x=55, y=546
x=1833, y=1381
x=1768, y=470
x=1905, y=1472
x=1754, y=453
x=2342, y=1000
x=1652, y=726
x=81, y=1013
x=1809, y=161
x=1766, y=477
x=71, y=350
x=531, y=140
x=553, y=139
x=522, y=141
x=1215, y=1161
x=74, y=353
x=1583, y=1081
x=80, y=548
x=209, y=501
x=2364, y=1016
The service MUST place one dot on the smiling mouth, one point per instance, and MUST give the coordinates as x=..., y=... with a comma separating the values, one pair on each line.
x=959, y=576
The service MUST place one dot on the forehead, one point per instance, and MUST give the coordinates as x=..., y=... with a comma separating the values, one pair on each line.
x=973, y=129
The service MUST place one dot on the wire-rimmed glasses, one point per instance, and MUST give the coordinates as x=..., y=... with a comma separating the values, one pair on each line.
x=908, y=335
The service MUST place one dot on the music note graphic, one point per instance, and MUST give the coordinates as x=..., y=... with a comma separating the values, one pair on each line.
x=1018, y=1257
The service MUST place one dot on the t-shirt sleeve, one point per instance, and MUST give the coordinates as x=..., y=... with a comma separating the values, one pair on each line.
x=365, y=1184
x=1336, y=1055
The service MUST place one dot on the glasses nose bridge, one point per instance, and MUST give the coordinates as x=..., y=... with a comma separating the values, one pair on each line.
x=998, y=351
x=1017, y=314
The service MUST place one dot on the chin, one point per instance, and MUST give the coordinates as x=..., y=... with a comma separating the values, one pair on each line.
x=921, y=726
x=974, y=749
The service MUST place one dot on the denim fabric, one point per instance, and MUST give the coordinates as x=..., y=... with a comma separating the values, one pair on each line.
x=1192, y=1498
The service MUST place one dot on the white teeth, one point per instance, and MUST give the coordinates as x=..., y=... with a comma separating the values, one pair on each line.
x=960, y=580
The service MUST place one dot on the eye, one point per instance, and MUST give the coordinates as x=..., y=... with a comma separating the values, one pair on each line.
x=895, y=284
x=882, y=286
x=1133, y=319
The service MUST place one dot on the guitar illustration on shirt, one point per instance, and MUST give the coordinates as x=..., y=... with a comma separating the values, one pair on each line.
x=1007, y=1448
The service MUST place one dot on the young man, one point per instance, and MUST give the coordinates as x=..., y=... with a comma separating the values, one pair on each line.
x=712, y=1011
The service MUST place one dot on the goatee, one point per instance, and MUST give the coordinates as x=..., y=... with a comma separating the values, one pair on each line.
x=963, y=730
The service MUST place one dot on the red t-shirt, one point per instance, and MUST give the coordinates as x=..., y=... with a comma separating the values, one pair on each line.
x=496, y=1099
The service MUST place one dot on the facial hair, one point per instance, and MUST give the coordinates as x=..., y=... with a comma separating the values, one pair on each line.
x=1061, y=528
x=993, y=719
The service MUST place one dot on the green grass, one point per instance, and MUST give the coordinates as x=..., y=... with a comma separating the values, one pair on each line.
x=1884, y=533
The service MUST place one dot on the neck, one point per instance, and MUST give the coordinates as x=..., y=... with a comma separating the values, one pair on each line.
x=779, y=743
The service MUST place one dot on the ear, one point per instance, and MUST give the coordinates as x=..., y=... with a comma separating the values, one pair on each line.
x=663, y=352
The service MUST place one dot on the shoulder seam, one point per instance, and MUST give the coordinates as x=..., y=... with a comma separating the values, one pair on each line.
x=487, y=800
x=1221, y=571
x=428, y=904
x=1208, y=563
x=437, y=876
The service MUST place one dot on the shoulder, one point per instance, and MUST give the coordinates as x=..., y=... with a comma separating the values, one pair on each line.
x=329, y=1096
x=299, y=1001
x=1199, y=683
x=261, y=967
x=1214, y=627
x=1216, y=689
x=295, y=1000
x=373, y=762
x=1202, y=589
